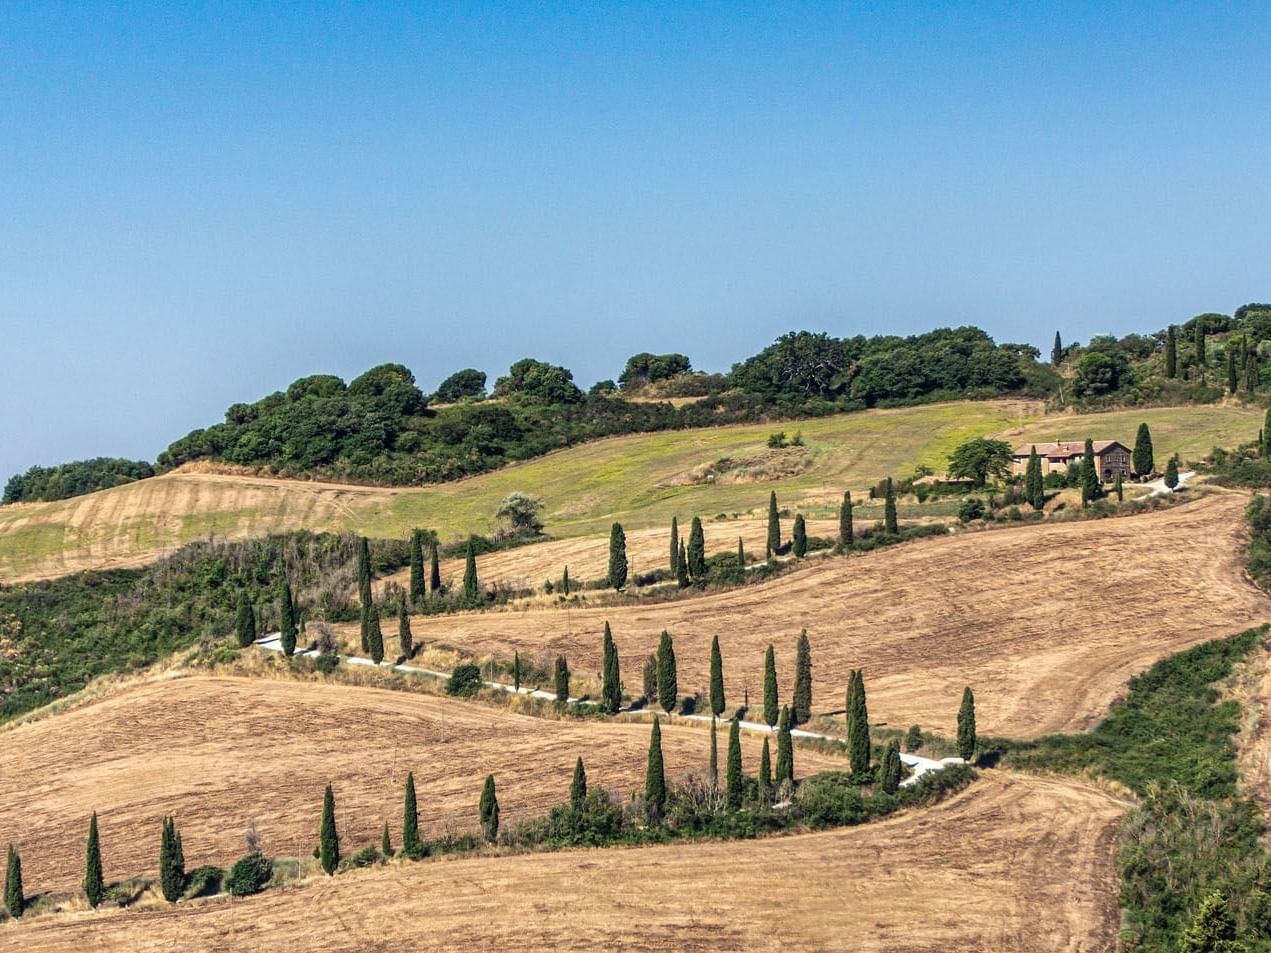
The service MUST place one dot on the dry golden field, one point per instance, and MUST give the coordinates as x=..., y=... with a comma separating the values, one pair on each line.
x=216, y=752
x=1045, y=622
x=1011, y=864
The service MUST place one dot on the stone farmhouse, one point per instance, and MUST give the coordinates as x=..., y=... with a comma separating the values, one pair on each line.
x=1110, y=456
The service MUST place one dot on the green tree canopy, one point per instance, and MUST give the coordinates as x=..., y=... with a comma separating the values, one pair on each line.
x=979, y=459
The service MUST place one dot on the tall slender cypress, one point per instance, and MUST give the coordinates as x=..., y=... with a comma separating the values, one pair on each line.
x=1090, y=482
x=675, y=546
x=375, y=637
x=802, y=708
x=489, y=810
x=287, y=616
x=1171, y=353
x=696, y=550
x=668, y=683
x=765, y=772
x=1118, y=488
x=966, y=725
x=732, y=775
x=654, y=777
x=799, y=544
x=412, y=847
x=611, y=675
x=617, y=557
x=418, y=592
x=171, y=863
x=770, y=703
x=713, y=770
x=245, y=626
x=1199, y=339
x=365, y=615
x=562, y=679
x=1142, y=459
x=1232, y=382
x=846, y=530
x=858, y=724
x=578, y=786
x=328, y=839
x=14, y=894
x=1034, y=484
x=649, y=678
x=717, y=679
x=681, y=568
x=889, y=772
x=1056, y=351
x=785, y=747
x=405, y=638
x=386, y=842
x=774, y=525
x=516, y=670
x=1251, y=372
x=1171, y=472
x=434, y=576
x=741, y=554
x=363, y=570
x=889, y=509
x=471, y=584
x=94, y=883
x=564, y=581
x=1266, y=434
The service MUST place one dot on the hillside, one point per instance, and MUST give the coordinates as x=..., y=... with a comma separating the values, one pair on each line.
x=1012, y=863
x=1045, y=622
x=641, y=480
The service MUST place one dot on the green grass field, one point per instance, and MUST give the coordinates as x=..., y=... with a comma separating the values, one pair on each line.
x=639, y=480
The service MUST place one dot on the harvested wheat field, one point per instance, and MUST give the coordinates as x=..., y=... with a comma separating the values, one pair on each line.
x=1046, y=622
x=1012, y=863
x=217, y=752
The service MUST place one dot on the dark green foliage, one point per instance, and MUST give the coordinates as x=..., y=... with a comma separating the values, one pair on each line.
x=1142, y=460
x=1090, y=484
x=696, y=550
x=204, y=881
x=405, y=637
x=1171, y=472
x=1119, y=488
x=471, y=585
x=712, y=771
x=171, y=862
x=561, y=679
x=1056, y=351
x=386, y=843
x=249, y=875
x=1233, y=382
x=245, y=623
x=799, y=540
x=741, y=554
x=801, y=710
x=858, y=744
x=846, y=529
x=328, y=838
x=469, y=383
x=645, y=368
x=1251, y=372
x=765, y=772
x=417, y=590
x=649, y=678
x=465, y=679
x=1213, y=930
x=889, y=772
x=578, y=786
x=94, y=884
x=971, y=508
x=434, y=571
x=287, y=618
x=770, y=709
x=654, y=776
x=668, y=683
x=516, y=670
x=913, y=738
x=733, y=780
x=564, y=581
x=412, y=846
x=488, y=810
x=617, y=557
x=681, y=568
x=1171, y=353
x=611, y=675
x=375, y=637
x=538, y=380
x=1034, y=484
x=14, y=894
x=73, y=479
x=889, y=509
x=363, y=571
x=675, y=546
x=966, y=725
x=1266, y=435
x=979, y=459
x=785, y=747
x=774, y=526
x=365, y=614
x=717, y=679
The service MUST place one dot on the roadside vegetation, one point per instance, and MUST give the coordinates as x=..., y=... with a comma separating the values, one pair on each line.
x=73, y=479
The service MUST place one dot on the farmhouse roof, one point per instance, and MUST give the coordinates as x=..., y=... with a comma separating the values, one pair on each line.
x=1064, y=449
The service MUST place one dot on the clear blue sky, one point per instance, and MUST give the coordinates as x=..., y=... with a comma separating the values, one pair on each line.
x=199, y=205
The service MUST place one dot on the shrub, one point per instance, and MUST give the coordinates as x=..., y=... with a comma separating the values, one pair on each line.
x=249, y=875
x=366, y=857
x=971, y=508
x=204, y=882
x=465, y=680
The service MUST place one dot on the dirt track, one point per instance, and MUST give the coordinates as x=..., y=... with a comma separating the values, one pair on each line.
x=217, y=751
x=1046, y=623
x=1011, y=864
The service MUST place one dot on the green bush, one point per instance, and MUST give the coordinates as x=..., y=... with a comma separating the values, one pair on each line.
x=249, y=875
x=465, y=680
x=203, y=882
x=366, y=857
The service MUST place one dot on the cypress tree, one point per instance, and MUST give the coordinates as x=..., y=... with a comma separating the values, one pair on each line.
x=966, y=725
x=1034, y=484
x=741, y=554
x=858, y=724
x=434, y=581
x=365, y=614
x=696, y=550
x=1056, y=351
x=765, y=772
x=14, y=895
x=800, y=542
x=732, y=776
x=1118, y=488
x=1171, y=353
x=617, y=557
x=328, y=839
x=1232, y=383
x=846, y=530
x=890, y=769
x=562, y=679
x=375, y=637
x=287, y=615
x=363, y=571
x=611, y=683
x=770, y=710
x=405, y=637
x=717, y=679
x=516, y=670
x=1266, y=435
x=713, y=771
x=785, y=747
x=412, y=848
x=1251, y=372
x=1142, y=460
x=1200, y=346
x=649, y=678
x=802, y=709
x=246, y=622
x=774, y=525
x=1171, y=472
x=564, y=582
x=1089, y=475
x=889, y=509
x=675, y=546
x=681, y=568
x=489, y=810
x=94, y=884
x=386, y=843
x=417, y=590
x=668, y=685
x=471, y=585
x=654, y=778
x=171, y=862
x=578, y=787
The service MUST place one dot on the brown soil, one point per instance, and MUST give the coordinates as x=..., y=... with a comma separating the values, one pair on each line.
x=1046, y=623
x=1013, y=863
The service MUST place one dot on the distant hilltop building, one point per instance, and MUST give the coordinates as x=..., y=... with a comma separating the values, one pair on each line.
x=1110, y=456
